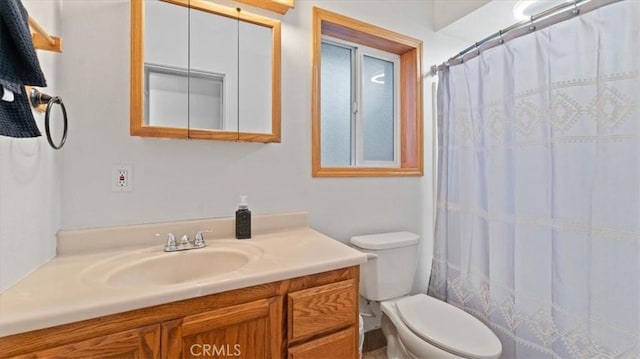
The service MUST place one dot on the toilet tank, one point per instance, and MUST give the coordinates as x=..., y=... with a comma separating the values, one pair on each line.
x=391, y=266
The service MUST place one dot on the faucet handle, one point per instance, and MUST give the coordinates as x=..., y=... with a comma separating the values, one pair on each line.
x=199, y=240
x=184, y=241
x=171, y=242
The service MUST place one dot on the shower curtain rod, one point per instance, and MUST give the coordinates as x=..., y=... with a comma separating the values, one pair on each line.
x=538, y=21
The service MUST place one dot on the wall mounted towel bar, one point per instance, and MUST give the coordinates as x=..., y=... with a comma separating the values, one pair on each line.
x=38, y=98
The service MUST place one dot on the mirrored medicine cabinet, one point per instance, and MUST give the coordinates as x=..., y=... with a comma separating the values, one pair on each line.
x=204, y=71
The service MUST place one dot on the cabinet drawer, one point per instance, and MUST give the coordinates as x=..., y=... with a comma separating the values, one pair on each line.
x=321, y=309
x=341, y=345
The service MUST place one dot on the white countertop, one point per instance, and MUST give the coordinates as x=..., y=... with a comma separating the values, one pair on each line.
x=59, y=292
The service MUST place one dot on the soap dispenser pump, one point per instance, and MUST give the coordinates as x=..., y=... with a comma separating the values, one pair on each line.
x=243, y=219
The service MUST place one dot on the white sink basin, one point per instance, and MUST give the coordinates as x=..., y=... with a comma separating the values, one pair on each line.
x=154, y=267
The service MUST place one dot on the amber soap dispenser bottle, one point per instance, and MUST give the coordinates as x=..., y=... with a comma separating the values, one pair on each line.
x=243, y=219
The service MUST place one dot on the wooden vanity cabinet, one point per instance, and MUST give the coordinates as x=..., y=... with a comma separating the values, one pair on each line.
x=309, y=317
x=142, y=343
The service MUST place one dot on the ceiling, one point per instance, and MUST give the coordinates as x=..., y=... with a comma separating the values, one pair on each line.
x=448, y=11
x=485, y=20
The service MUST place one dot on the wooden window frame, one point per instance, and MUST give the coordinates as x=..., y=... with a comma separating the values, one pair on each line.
x=411, y=112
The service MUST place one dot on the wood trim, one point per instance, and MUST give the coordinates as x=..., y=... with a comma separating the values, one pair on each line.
x=137, y=126
x=411, y=101
x=40, y=43
x=259, y=137
x=276, y=82
x=171, y=339
x=41, y=38
x=226, y=11
x=212, y=135
x=276, y=325
x=367, y=172
x=162, y=132
x=136, y=108
x=350, y=29
x=231, y=136
x=411, y=113
x=316, y=51
x=279, y=6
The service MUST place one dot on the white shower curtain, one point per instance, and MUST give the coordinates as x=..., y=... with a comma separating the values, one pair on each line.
x=538, y=218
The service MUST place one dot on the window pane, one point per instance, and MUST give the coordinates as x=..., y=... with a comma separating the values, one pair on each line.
x=377, y=109
x=336, y=105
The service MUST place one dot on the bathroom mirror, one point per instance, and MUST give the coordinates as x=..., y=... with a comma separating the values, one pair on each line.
x=205, y=71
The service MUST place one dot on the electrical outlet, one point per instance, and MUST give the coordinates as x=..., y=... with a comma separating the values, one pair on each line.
x=122, y=178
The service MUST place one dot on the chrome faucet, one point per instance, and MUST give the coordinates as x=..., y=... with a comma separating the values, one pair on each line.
x=172, y=245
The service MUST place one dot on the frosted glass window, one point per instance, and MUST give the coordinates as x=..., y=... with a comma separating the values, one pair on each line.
x=378, y=109
x=358, y=106
x=336, y=99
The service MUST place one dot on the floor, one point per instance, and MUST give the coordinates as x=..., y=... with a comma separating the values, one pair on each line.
x=380, y=353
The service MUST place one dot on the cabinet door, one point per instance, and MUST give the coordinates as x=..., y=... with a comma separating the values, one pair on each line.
x=142, y=343
x=341, y=345
x=252, y=330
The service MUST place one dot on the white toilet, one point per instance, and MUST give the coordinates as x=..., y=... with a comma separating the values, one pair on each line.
x=417, y=326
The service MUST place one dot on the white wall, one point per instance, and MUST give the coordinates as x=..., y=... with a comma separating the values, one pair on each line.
x=182, y=179
x=30, y=175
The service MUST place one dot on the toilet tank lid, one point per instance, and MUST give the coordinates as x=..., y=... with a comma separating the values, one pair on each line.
x=385, y=240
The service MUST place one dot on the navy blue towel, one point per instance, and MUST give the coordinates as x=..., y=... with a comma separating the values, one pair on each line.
x=19, y=66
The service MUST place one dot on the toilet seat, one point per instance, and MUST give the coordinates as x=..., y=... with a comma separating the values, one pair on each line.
x=447, y=327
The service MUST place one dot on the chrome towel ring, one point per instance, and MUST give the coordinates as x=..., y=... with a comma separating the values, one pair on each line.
x=38, y=98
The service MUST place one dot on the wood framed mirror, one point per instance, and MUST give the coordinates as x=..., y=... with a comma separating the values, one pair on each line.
x=204, y=71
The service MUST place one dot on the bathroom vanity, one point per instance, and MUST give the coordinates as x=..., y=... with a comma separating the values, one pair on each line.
x=297, y=297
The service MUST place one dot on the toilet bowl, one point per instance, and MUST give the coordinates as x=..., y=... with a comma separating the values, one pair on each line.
x=417, y=326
